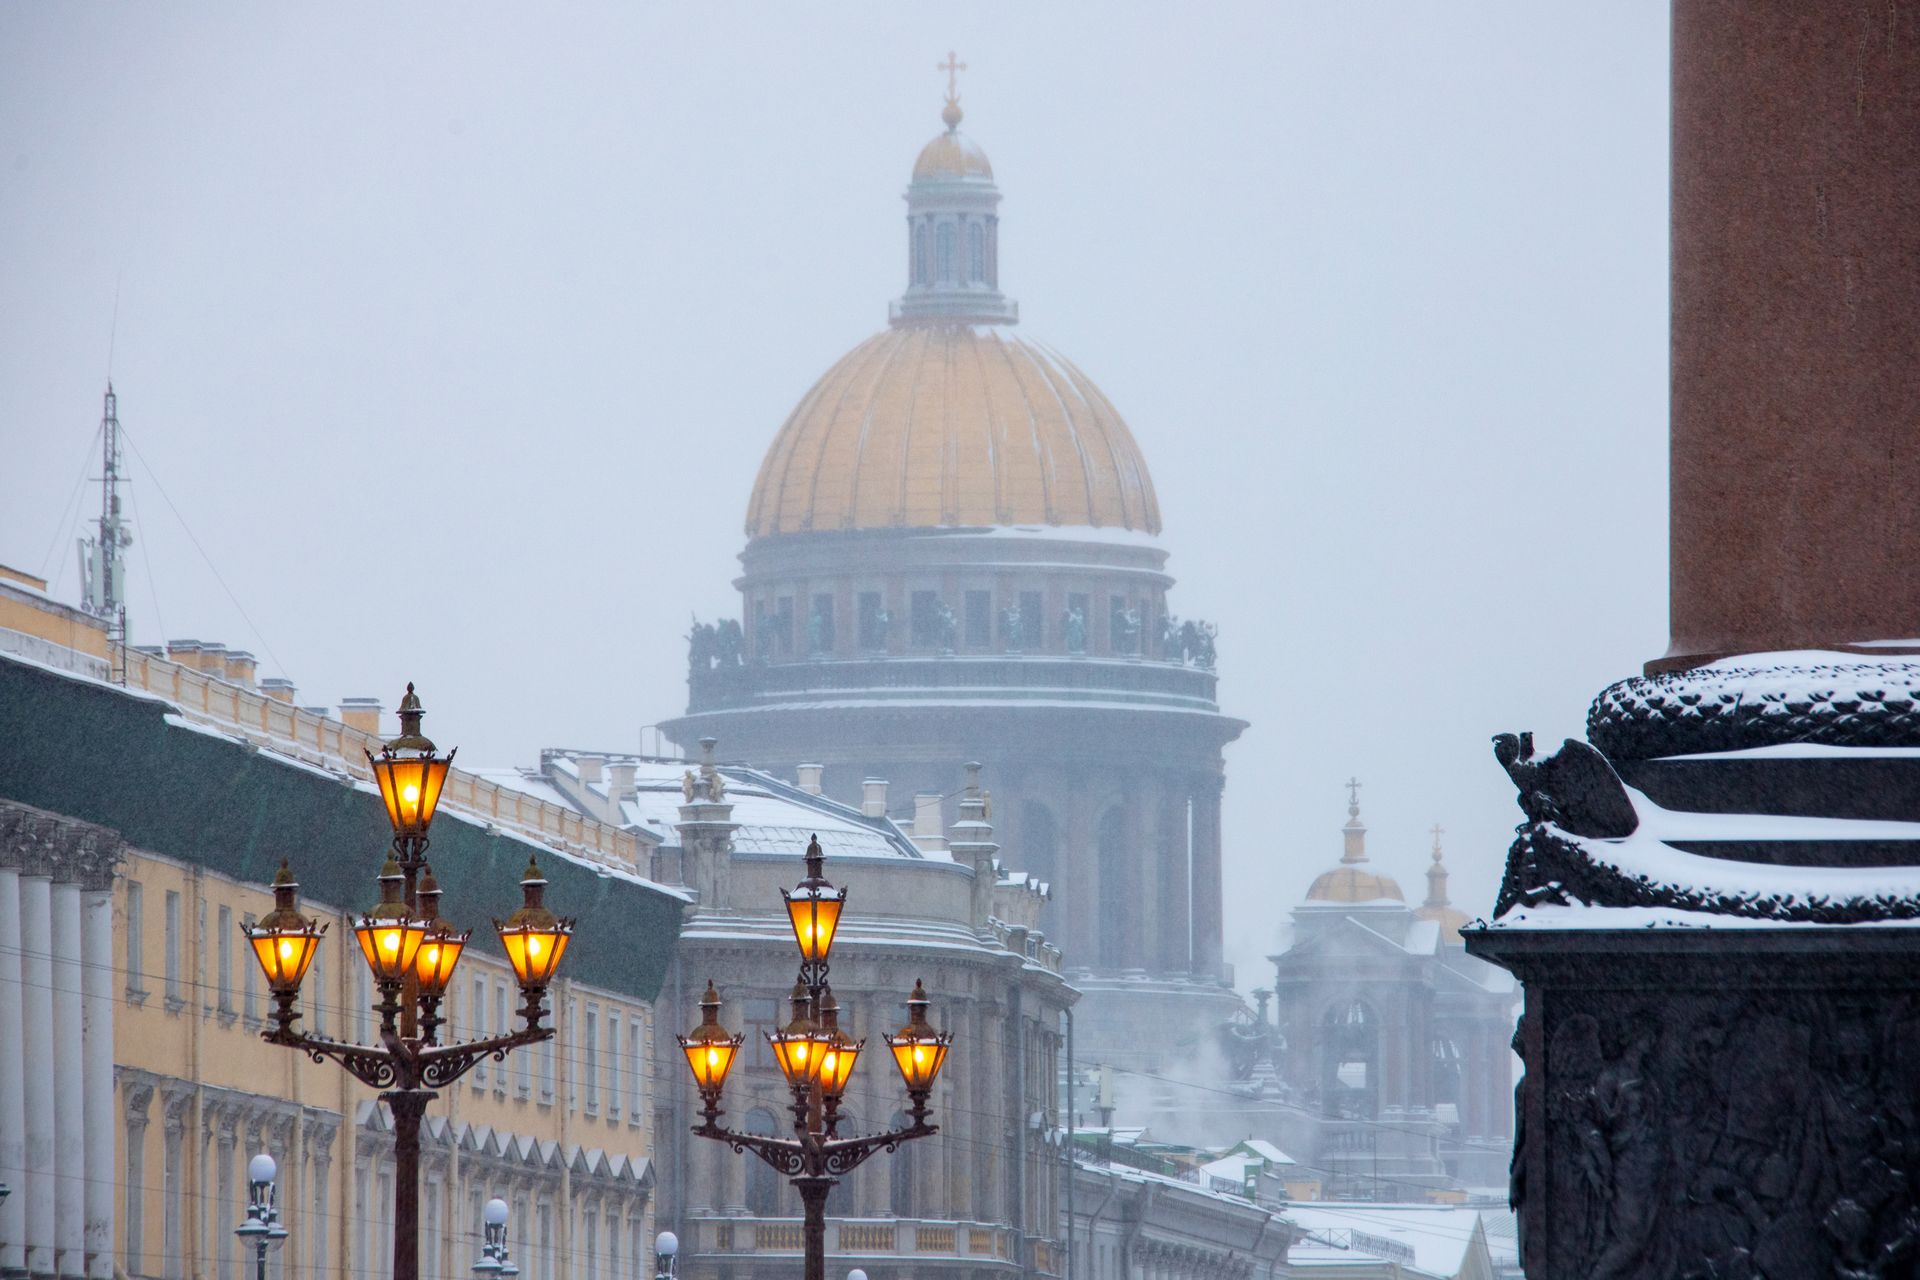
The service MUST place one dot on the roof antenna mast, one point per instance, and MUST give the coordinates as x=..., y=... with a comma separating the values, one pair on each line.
x=103, y=560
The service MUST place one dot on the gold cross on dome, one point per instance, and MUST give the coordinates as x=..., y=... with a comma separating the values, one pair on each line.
x=1353, y=792
x=953, y=67
x=1437, y=832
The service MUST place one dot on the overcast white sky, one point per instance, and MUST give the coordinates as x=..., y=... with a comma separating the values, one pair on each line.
x=456, y=333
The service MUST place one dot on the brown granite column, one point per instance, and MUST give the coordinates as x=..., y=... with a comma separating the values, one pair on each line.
x=1795, y=327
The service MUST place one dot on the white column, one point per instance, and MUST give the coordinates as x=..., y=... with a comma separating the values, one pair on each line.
x=13, y=1097
x=36, y=1038
x=67, y=1064
x=96, y=949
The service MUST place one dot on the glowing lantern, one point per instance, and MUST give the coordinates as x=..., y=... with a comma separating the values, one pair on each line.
x=710, y=1050
x=814, y=908
x=794, y=1046
x=410, y=774
x=533, y=936
x=389, y=935
x=284, y=941
x=919, y=1051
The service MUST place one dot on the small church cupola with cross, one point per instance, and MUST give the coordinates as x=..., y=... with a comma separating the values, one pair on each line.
x=953, y=229
x=1438, y=906
x=1353, y=881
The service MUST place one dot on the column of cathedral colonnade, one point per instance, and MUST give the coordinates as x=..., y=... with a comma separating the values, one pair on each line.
x=56, y=1044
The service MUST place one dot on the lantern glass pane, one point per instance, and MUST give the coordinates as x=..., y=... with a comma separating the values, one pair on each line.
x=796, y=1057
x=710, y=1061
x=814, y=920
x=390, y=946
x=434, y=965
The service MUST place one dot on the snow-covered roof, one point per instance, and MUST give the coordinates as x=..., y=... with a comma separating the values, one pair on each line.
x=1438, y=1237
x=774, y=816
x=1267, y=1151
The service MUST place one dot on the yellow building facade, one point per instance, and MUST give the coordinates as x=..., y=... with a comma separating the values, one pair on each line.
x=136, y=1087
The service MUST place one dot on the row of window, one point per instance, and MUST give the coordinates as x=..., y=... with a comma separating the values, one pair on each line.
x=932, y=623
x=606, y=1050
x=935, y=255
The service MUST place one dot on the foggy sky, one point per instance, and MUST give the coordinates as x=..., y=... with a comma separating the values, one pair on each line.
x=456, y=335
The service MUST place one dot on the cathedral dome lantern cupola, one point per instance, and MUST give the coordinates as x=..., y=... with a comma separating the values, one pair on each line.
x=953, y=229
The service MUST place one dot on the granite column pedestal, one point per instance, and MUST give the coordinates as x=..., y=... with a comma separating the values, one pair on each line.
x=1740, y=1101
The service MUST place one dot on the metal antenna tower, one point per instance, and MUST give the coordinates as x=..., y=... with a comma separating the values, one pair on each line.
x=103, y=560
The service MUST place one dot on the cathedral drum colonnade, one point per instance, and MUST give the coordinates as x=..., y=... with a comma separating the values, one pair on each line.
x=953, y=554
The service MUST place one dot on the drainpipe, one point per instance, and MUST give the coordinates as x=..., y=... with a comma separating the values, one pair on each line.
x=1071, y=1122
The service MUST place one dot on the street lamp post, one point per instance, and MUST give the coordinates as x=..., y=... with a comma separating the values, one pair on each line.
x=495, y=1262
x=817, y=1059
x=412, y=953
x=262, y=1229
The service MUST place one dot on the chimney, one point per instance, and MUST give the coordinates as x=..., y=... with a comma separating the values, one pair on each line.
x=592, y=768
x=873, y=797
x=278, y=688
x=809, y=778
x=620, y=779
x=184, y=652
x=213, y=659
x=241, y=667
x=929, y=828
x=972, y=845
x=362, y=714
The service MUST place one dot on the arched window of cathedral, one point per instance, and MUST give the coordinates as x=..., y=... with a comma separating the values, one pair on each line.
x=920, y=254
x=943, y=252
x=1117, y=926
x=900, y=1175
x=976, y=254
x=762, y=1185
x=1350, y=1061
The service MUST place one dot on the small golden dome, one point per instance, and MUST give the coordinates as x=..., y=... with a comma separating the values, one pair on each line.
x=1450, y=918
x=1351, y=881
x=938, y=425
x=1353, y=884
x=952, y=155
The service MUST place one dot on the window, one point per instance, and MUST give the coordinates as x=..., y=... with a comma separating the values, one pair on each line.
x=760, y=1016
x=249, y=981
x=229, y=1207
x=637, y=1056
x=315, y=986
x=1033, y=620
x=616, y=1064
x=173, y=951
x=523, y=1075
x=198, y=979
x=136, y=957
x=172, y=1173
x=225, y=949
x=761, y=1180
x=590, y=1059
x=479, y=1006
x=430, y=1230
x=546, y=1240
x=783, y=625
x=976, y=254
x=363, y=1005
x=927, y=622
x=943, y=252
x=873, y=621
x=993, y=253
x=500, y=1026
x=136, y=1191
x=919, y=267
x=820, y=625
x=979, y=608
x=546, y=1071
x=590, y=1237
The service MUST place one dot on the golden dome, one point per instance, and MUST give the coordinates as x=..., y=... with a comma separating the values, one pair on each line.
x=952, y=155
x=1353, y=884
x=1450, y=918
x=933, y=425
x=1351, y=881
